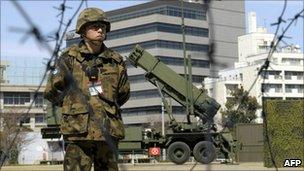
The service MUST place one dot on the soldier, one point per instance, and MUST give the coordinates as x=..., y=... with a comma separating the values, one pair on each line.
x=90, y=83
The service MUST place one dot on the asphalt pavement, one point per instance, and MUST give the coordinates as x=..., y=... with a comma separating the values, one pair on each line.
x=162, y=167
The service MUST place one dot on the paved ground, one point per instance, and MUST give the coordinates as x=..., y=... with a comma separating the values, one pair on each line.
x=160, y=167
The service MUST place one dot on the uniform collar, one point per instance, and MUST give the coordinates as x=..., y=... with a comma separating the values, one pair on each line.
x=85, y=52
x=81, y=52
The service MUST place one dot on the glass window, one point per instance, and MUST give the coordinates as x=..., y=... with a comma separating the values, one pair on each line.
x=142, y=110
x=164, y=10
x=292, y=61
x=39, y=101
x=273, y=98
x=275, y=74
x=300, y=75
x=144, y=94
x=162, y=44
x=141, y=78
x=178, y=110
x=278, y=89
x=39, y=118
x=265, y=87
x=16, y=98
x=294, y=98
x=288, y=75
x=265, y=74
x=137, y=78
x=288, y=88
x=300, y=88
x=196, y=78
x=180, y=61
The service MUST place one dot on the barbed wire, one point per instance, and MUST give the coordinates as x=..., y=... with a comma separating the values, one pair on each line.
x=86, y=3
x=34, y=31
x=275, y=42
x=51, y=66
x=264, y=67
x=59, y=39
x=213, y=63
x=280, y=20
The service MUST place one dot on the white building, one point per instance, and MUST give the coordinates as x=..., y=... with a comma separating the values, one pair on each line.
x=282, y=80
x=16, y=99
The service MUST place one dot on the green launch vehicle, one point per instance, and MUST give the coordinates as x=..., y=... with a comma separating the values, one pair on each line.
x=199, y=139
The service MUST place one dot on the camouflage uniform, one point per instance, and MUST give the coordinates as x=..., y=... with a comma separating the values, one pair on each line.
x=90, y=88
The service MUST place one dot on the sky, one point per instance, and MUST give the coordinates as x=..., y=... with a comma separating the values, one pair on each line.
x=268, y=13
x=43, y=14
x=27, y=60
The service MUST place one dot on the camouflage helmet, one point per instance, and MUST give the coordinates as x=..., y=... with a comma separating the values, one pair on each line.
x=92, y=15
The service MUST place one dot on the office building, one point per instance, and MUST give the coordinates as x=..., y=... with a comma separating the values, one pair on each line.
x=156, y=26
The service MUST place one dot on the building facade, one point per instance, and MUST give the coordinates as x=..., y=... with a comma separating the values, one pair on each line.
x=156, y=26
x=282, y=80
x=16, y=100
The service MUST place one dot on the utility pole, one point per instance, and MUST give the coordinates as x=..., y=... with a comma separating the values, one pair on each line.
x=163, y=118
x=163, y=128
x=185, y=61
x=191, y=109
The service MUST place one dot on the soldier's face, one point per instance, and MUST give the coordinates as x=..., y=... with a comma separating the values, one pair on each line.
x=95, y=32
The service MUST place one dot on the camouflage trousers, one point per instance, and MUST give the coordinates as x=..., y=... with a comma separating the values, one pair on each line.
x=81, y=154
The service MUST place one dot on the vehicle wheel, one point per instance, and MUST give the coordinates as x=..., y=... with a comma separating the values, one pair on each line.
x=179, y=152
x=204, y=152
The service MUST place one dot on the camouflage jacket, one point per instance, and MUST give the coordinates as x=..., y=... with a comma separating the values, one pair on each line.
x=90, y=109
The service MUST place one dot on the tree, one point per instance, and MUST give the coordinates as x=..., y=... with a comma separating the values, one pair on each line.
x=155, y=123
x=12, y=136
x=240, y=108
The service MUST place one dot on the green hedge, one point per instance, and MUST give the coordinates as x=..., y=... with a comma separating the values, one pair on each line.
x=285, y=126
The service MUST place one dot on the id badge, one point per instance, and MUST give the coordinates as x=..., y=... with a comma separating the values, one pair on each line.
x=95, y=88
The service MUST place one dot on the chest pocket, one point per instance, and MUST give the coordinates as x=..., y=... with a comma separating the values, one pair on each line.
x=109, y=81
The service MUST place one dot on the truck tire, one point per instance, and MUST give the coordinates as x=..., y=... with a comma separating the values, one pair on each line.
x=204, y=152
x=179, y=152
